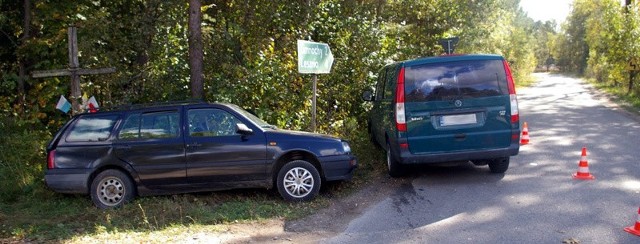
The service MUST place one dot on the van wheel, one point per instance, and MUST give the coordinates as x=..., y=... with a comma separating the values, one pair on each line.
x=394, y=167
x=499, y=165
x=111, y=189
x=298, y=181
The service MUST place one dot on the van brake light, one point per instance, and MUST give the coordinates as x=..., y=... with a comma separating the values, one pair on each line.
x=513, y=99
x=401, y=123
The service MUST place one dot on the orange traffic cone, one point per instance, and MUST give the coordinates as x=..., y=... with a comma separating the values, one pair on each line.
x=636, y=228
x=583, y=168
x=524, y=139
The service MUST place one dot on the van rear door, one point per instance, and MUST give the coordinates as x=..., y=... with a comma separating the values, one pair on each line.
x=458, y=105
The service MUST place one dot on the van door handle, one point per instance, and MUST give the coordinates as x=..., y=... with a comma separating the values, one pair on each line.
x=460, y=136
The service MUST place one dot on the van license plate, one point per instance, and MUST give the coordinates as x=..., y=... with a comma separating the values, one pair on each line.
x=459, y=119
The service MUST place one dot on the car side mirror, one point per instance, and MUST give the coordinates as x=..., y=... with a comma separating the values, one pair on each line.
x=367, y=96
x=243, y=129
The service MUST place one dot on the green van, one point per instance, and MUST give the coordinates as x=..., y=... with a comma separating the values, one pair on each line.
x=455, y=108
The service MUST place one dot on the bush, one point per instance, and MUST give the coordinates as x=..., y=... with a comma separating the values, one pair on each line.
x=22, y=159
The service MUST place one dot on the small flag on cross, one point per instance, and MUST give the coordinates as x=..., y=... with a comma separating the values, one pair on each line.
x=63, y=105
x=93, y=105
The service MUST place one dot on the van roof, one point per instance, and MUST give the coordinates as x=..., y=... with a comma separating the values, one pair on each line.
x=450, y=58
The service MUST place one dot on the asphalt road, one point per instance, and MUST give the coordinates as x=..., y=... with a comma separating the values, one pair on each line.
x=537, y=200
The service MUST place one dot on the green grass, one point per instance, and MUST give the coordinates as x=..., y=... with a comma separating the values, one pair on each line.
x=32, y=213
x=630, y=101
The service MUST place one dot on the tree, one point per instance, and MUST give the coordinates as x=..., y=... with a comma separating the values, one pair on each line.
x=196, y=54
x=247, y=50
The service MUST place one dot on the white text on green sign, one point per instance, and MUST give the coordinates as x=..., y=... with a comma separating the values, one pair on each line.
x=314, y=57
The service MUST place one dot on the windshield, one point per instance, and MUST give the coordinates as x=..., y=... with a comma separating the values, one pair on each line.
x=252, y=117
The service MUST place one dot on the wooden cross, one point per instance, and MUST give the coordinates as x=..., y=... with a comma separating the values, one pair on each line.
x=74, y=71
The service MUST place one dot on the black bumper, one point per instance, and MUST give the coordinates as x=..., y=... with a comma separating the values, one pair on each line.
x=407, y=158
x=338, y=167
x=68, y=180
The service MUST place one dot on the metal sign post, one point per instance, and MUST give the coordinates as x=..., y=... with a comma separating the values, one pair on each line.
x=314, y=58
x=313, y=103
x=633, y=68
x=449, y=44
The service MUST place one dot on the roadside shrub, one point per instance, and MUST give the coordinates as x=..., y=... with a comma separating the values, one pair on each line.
x=22, y=157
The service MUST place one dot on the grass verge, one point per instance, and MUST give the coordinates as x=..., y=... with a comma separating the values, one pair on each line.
x=630, y=101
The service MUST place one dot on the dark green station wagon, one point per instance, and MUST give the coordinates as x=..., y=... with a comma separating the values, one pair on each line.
x=455, y=108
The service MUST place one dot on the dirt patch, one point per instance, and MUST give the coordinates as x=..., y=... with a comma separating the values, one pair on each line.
x=324, y=224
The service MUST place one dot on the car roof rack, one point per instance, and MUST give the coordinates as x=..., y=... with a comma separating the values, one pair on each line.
x=156, y=104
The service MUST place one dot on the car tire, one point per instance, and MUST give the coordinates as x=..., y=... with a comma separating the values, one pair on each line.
x=395, y=168
x=499, y=165
x=298, y=181
x=111, y=189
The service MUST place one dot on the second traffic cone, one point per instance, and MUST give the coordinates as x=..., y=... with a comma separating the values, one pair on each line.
x=583, y=168
x=524, y=139
x=635, y=229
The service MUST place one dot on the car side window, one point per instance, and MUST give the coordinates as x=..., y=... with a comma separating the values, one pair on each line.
x=211, y=122
x=88, y=129
x=151, y=126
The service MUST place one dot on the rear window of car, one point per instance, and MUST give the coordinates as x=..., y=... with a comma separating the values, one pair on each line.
x=455, y=80
x=95, y=128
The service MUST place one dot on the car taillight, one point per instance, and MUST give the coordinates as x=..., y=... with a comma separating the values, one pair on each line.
x=51, y=159
x=401, y=123
x=513, y=99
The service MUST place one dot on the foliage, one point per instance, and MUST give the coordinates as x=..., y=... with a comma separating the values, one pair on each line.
x=249, y=59
x=598, y=40
x=22, y=156
x=250, y=56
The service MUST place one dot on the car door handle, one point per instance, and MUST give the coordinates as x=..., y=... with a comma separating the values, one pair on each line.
x=460, y=136
x=194, y=145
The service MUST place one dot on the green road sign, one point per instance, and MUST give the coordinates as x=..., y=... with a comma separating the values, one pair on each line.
x=314, y=57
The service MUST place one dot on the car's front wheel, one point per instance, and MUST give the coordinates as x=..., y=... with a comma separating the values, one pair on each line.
x=111, y=188
x=298, y=180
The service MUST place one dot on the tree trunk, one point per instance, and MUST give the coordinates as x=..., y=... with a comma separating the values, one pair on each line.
x=26, y=34
x=195, y=49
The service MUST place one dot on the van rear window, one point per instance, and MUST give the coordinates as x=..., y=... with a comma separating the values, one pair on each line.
x=455, y=80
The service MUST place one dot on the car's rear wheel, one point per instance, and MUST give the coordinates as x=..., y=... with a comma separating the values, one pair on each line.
x=111, y=189
x=298, y=180
x=499, y=165
x=394, y=167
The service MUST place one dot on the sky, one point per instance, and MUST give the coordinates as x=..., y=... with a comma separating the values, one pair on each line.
x=544, y=10
x=548, y=9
